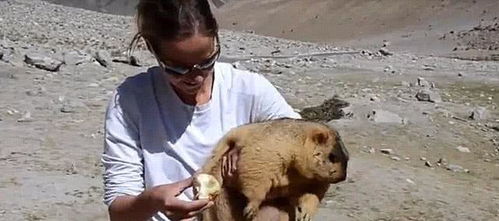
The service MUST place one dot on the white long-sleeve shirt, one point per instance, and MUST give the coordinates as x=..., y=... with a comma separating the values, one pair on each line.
x=153, y=138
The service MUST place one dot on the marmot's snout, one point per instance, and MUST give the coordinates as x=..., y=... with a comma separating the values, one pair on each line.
x=339, y=157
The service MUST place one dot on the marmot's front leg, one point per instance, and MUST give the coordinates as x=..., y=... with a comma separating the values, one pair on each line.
x=255, y=193
x=307, y=207
x=308, y=203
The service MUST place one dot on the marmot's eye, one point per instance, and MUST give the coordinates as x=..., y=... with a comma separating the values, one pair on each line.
x=332, y=157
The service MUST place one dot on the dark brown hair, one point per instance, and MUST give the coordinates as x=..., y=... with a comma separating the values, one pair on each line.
x=167, y=20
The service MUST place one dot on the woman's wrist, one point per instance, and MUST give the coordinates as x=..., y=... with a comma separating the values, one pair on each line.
x=154, y=198
x=140, y=207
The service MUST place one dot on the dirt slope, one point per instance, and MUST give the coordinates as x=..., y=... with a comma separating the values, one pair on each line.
x=408, y=25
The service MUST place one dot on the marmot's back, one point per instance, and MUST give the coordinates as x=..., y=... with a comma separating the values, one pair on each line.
x=271, y=136
x=274, y=144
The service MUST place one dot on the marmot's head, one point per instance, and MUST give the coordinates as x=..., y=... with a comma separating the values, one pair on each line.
x=326, y=156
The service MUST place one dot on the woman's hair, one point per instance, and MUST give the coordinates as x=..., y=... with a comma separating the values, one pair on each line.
x=167, y=20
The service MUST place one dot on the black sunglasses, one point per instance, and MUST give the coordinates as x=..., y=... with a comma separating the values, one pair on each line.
x=205, y=65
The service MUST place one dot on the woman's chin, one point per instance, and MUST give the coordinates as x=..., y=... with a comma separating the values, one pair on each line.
x=189, y=89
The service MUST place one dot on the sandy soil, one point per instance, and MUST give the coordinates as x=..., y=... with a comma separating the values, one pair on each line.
x=442, y=164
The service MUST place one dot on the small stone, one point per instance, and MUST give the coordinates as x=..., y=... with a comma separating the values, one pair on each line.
x=493, y=126
x=134, y=61
x=385, y=52
x=388, y=69
x=395, y=158
x=103, y=57
x=479, y=113
x=374, y=99
x=423, y=158
x=442, y=161
x=456, y=168
x=463, y=149
x=368, y=149
x=1, y=55
x=405, y=84
x=428, y=164
x=238, y=65
x=459, y=74
x=382, y=116
x=386, y=151
x=428, y=67
x=72, y=170
x=72, y=106
x=43, y=62
x=12, y=112
x=25, y=118
x=36, y=92
x=76, y=58
x=93, y=85
x=410, y=181
x=421, y=82
x=428, y=96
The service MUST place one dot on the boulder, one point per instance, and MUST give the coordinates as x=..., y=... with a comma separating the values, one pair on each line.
x=382, y=116
x=428, y=96
x=43, y=62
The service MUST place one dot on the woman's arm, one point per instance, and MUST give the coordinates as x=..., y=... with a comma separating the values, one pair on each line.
x=123, y=176
x=270, y=104
x=161, y=198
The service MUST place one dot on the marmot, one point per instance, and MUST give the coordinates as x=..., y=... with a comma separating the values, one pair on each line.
x=295, y=160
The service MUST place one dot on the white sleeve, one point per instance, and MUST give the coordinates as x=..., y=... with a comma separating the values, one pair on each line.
x=270, y=104
x=122, y=156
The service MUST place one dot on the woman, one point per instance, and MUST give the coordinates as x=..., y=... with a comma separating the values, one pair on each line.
x=162, y=125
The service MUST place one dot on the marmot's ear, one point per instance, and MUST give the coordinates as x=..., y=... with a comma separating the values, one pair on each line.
x=320, y=136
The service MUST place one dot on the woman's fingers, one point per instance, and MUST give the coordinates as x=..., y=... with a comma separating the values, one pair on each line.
x=194, y=213
x=186, y=207
x=234, y=159
x=182, y=185
x=229, y=164
x=224, y=166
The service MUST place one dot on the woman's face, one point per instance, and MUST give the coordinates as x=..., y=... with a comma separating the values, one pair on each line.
x=184, y=54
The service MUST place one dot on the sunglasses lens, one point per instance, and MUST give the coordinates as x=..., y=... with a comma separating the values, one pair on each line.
x=176, y=70
x=208, y=64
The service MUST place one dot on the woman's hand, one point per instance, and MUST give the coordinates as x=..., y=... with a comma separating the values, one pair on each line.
x=165, y=197
x=229, y=163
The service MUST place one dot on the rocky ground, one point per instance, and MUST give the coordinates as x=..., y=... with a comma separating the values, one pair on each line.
x=423, y=131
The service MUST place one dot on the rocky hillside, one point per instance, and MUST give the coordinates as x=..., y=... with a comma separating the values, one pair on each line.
x=414, y=26
x=422, y=27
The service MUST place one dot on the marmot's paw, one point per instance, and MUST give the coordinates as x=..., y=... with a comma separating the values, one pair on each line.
x=249, y=212
x=301, y=215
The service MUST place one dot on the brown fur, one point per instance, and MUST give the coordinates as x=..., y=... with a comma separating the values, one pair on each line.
x=294, y=160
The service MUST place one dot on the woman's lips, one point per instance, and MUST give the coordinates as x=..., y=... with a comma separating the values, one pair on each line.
x=192, y=84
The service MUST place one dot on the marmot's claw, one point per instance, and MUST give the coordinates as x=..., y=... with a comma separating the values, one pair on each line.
x=249, y=213
x=301, y=215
